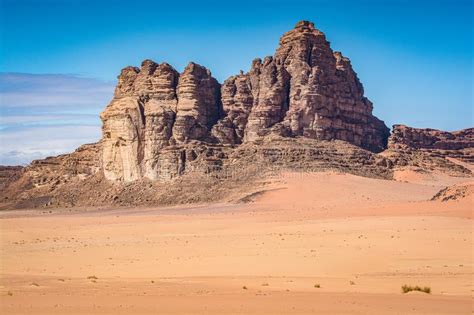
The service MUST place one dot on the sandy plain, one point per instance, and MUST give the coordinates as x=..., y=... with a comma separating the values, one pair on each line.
x=322, y=243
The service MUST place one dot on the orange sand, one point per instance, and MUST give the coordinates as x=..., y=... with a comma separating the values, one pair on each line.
x=359, y=239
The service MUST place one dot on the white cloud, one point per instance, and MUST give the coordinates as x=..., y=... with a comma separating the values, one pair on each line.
x=23, y=146
x=43, y=92
x=48, y=114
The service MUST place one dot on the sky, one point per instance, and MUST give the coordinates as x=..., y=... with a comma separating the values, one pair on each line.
x=59, y=59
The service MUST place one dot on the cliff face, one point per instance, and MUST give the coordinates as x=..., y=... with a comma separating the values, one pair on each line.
x=304, y=90
x=457, y=144
x=431, y=139
x=308, y=90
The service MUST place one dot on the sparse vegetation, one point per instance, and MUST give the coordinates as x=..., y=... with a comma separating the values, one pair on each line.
x=244, y=287
x=265, y=284
x=409, y=288
x=352, y=283
x=92, y=278
x=317, y=285
x=10, y=293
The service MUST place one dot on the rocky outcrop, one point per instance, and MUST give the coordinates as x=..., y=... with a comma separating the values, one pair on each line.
x=308, y=90
x=207, y=172
x=126, y=136
x=418, y=138
x=9, y=174
x=198, y=105
x=304, y=90
x=237, y=101
x=155, y=107
x=457, y=144
x=31, y=186
x=56, y=170
x=171, y=137
x=160, y=113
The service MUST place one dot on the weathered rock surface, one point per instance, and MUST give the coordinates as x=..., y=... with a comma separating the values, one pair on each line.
x=31, y=186
x=237, y=101
x=304, y=90
x=207, y=172
x=308, y=90
x=155, y=107
x=198, y=104
x=457, y=144
x=9, y=174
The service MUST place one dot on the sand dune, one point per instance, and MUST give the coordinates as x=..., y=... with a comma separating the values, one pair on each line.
x=324, y=243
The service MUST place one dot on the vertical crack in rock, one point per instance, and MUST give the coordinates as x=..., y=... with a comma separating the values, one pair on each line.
x=237, y=102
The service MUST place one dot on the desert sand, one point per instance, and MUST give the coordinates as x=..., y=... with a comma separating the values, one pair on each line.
x=323, y=243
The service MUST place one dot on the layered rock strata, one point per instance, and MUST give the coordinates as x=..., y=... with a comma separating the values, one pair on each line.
x=457, y=144
x=32, y=186
x=304, y=90
x=154, y=108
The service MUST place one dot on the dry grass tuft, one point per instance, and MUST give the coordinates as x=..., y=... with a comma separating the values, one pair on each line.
x=409, y=288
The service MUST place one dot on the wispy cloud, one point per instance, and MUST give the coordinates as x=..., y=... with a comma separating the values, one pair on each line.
x=45, y=92
x=48, y=114
x=24, y=145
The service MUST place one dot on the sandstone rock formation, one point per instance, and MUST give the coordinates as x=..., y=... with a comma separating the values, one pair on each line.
x=155, y=107
x=304, y=90
x=171, y=137
x=33, y=185
x=214, y=173
x=458, y=144
x=308, y=90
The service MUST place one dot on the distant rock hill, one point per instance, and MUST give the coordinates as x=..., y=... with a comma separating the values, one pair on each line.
x=458, y=144
x=172, y=137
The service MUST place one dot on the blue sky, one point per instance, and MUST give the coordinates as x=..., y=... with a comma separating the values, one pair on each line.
x=59, y=59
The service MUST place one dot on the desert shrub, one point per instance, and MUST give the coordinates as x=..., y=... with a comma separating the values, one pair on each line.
x=409, y=288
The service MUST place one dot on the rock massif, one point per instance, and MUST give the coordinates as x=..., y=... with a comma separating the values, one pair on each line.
x=304, y=90
x=171, y=137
